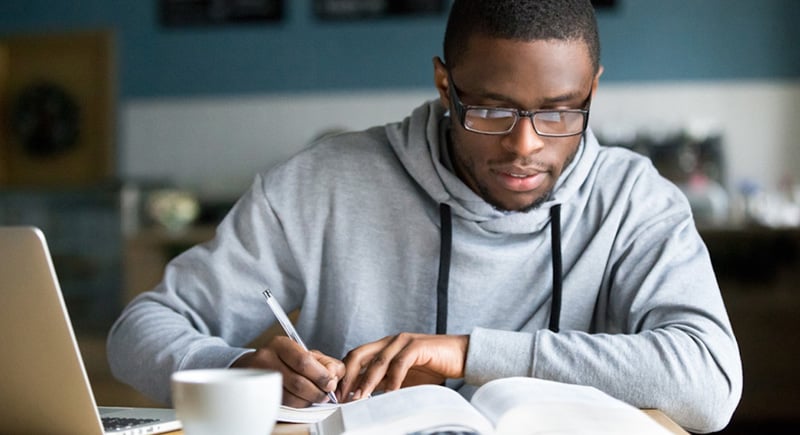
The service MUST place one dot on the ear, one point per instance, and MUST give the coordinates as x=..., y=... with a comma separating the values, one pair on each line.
x=596, y=80
x=441, y=81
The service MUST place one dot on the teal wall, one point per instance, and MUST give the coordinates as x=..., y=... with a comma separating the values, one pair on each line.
x=643, y=40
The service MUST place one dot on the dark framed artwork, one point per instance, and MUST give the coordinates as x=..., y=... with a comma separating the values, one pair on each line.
x=191, y=13
x=359, y=9
x=57, y=100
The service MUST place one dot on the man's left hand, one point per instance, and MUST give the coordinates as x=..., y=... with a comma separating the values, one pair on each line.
x=402, y=360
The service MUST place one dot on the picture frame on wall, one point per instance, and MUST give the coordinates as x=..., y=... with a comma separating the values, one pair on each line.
x=369, y=9
x=57, y=95
x=209, y=13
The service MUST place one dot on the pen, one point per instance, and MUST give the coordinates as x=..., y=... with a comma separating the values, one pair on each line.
x=288, y=327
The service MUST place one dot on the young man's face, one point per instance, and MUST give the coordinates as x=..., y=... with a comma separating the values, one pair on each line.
x=515, y=171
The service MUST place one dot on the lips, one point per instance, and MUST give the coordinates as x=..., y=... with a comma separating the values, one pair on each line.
x=519, y=179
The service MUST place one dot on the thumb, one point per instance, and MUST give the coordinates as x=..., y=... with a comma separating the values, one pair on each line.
x=334, y=366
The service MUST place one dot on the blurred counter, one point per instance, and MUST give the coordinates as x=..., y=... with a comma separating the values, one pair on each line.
x=759, y=274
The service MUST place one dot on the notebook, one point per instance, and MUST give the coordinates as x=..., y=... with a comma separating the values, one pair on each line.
x=44, y=387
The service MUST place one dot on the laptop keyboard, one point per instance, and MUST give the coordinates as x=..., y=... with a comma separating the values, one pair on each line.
x=117, y=423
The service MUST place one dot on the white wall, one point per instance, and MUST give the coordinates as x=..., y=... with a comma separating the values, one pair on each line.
x=759, y=121
x=214, y=146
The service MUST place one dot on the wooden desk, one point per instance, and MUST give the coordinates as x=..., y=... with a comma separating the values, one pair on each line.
x=302, y=429
x=665, y=421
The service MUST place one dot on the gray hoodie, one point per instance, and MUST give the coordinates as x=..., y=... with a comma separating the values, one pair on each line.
x=349, y=232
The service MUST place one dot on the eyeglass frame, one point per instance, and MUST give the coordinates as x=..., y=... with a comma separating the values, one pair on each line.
x=461, y=111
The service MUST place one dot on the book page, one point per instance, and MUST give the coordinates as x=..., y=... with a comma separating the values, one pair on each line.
x=534, y=406
x=311, y=414
x=407, y=411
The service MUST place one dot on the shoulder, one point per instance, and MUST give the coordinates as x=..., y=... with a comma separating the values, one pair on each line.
x=621, y=159
x=635, y=186
x=346, y=167
x=343, y=154
x=635, y=173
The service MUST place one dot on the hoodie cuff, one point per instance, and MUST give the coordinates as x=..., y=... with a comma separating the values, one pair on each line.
x=495, y=354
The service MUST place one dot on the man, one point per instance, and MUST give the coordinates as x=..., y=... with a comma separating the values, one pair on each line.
x=487, y=235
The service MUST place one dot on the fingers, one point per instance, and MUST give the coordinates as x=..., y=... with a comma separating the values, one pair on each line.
x=383, y=364
x=291, y=399
x=333, y=365
x=307, y=376
x=335, y=368
x=404, y=359
x=311, y=374
x=356, y=362
x=389, y=366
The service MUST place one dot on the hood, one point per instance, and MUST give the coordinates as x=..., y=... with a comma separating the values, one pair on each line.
x=419, y=141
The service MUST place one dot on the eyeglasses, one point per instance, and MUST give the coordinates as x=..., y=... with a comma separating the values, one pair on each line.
x=501, y=120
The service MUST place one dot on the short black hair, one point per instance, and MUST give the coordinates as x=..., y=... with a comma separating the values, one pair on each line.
x=523, y=20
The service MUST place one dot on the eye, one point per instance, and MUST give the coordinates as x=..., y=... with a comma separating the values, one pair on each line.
x=491, y=113
x=549, y=116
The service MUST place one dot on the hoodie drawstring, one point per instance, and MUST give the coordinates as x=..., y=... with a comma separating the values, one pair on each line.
x=555, y=245
x=445, y=249
x=444, y=268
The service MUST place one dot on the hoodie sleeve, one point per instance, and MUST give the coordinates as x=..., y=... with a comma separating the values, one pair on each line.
x=678, y=352
x=665, y=340
x=209, y=304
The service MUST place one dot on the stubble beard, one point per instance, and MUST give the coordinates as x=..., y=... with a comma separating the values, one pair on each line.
x=485, y=193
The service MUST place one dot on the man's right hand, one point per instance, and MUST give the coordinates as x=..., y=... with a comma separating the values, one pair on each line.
x=308, y=376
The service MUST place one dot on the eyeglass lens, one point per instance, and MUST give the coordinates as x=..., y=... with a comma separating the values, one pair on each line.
x=500, y=120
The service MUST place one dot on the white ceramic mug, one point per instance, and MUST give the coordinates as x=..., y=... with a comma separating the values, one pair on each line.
x=227, y=401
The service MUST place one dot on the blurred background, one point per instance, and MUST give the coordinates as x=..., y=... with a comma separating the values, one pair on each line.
x=129, y=128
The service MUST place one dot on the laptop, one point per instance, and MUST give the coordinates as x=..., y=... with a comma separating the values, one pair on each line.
x=44, y=387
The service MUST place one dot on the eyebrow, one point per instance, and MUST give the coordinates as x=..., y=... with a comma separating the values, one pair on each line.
x=548, y=101
x=575, y=95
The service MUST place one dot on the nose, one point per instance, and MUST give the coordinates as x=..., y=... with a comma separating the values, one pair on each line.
x=523, y=139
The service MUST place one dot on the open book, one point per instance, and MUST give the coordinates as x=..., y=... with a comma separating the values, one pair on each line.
x=504, y=406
